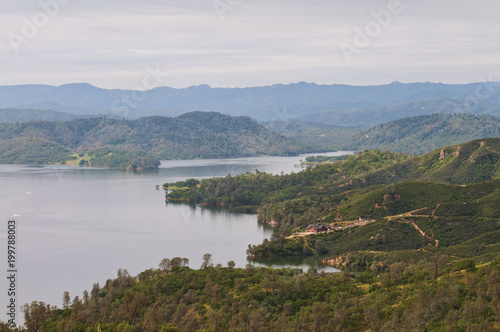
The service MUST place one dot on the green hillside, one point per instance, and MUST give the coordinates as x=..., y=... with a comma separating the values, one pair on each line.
x=324, y=137
x=411, y=295
x=421, y=134
x=467, y=163
x=189, y=136
x=434, y=201
x=414, y=135
x=24, y=150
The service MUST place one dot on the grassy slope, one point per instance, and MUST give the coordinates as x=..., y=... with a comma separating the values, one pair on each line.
x=456, y=188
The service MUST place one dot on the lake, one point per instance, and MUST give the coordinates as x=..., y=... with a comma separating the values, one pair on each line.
x=77, y=226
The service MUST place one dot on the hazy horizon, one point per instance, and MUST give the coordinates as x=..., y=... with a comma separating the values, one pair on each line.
x=254, y=86
x=237, y=43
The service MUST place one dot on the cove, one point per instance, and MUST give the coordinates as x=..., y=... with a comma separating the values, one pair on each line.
x=78, y=226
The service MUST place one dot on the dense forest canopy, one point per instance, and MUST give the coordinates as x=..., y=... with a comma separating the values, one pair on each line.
x=143, y=141
x=414, y=295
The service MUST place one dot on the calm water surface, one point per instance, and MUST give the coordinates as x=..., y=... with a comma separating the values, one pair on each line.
x=77, y=226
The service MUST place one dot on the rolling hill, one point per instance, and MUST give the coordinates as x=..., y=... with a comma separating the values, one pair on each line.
x=414, y=135
x=435, y=201
x=191, y=135
x=421, y=134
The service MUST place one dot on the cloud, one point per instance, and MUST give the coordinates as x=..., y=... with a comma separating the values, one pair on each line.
x=109, y=44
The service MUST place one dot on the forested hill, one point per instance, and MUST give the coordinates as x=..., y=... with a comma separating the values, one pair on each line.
x=437, y=201
x=192, y=135
x=413, y=135
x=421, y=134
x=463, y=164
x=24, y=115
x=409, y=296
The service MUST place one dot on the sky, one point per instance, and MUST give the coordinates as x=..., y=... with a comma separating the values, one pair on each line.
x=130, y=44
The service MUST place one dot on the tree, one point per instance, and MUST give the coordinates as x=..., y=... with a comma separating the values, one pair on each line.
x=35, y=315
x=396, y=271
x=176, y=261
x=231, y=264
x=7, y=327
x=164, y=264
x=207, y=261
x=320, y=314
x=85, y=296
x=185, y=262
x=168, y=328
x=122, y=273
x=94, y=294
x=66, y=300
x=77, y=301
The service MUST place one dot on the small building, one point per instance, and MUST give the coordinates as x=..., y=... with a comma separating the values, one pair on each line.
x=318, y=228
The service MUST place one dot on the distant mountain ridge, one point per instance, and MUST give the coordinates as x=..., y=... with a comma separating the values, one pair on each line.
x=276, y=102
x=376, y=115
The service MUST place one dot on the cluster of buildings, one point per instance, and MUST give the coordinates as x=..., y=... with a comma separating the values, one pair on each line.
x=319, y=228
x=322, y=228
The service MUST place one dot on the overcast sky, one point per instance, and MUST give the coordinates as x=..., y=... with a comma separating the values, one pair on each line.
x=111, y=44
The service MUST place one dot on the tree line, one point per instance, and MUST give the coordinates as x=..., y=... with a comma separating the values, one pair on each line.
x=416, y=295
